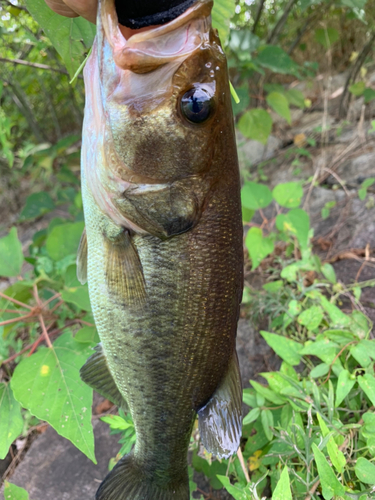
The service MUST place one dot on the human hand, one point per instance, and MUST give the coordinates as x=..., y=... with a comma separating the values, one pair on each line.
x=74, y=8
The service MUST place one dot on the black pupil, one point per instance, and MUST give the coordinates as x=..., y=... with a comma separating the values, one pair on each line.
x=196, y=105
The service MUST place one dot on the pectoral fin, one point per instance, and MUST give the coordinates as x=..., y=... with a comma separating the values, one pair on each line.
x=220, y=420
x=96, y=374
x=124, y=273
x=82, y=259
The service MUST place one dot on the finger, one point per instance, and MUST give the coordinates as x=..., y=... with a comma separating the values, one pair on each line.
x=85, y=8
x=61, y=8
x=74, y=8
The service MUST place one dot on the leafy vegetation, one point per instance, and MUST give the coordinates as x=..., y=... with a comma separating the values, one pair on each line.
x=309, y=429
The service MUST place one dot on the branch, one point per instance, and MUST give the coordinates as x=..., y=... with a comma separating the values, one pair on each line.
x=274, y=35
x=354, y=72
x=257, y=15
x=33, y=65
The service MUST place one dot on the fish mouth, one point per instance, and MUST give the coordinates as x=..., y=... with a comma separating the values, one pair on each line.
x=147, y=50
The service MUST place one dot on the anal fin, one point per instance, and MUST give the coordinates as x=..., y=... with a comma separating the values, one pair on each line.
x=124, y=273
x=96, y=374
x=220, y=420
x=82, y=259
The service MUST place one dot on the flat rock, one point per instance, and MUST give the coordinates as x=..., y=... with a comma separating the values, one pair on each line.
x=54, y=469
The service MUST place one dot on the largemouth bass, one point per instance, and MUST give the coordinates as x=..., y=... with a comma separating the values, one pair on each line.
x=162, y=250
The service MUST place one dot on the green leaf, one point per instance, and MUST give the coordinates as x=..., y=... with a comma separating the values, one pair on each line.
x=338, y=318
x=70, y=37
x=267, y=422
x=37, y=204
x=323, y=349
x=337, y=457
x=357, y=89
x=247, y=214
x=222, y=12
x=295, y=98
x=267, y=393
x=288, y=194
x=237, y=493
x=296, y=222
x=10, y=418
x=279, y=103
x=330, y=484
x=311, y=318
x=326, y=37
x=64, y=239
x=369, y=95
x=11, y=256
x=365, y=471
x=282, y=490
x=78, y=296
x=287, y=349
x=13, y=492
x=344, y=386
x=87, y=335
x=255, y=196
x=319, y=370
x=256, y=124
x=258, y=245
x=49, y=386
x=277, y=60
x=361, y=354
x=329, y=273
x=367, y=384
x=251, y=416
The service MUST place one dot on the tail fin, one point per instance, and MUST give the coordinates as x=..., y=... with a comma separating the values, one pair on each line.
x=127, y=481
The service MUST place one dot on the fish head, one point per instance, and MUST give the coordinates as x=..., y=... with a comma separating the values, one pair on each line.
x=164, y=93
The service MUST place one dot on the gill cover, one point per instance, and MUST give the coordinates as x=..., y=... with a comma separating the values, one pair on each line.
x=127, y=81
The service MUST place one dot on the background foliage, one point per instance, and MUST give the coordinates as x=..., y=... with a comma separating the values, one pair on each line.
x=309, y=431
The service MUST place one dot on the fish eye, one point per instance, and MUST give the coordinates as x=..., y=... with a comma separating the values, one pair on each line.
x=197, y=104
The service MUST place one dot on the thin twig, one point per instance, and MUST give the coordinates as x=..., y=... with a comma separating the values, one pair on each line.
x=34, y=65
x=243, y=465
x=14, y=320
x=44, y=330
x=15, y=301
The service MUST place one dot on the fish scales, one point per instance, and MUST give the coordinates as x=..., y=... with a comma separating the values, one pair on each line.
x=164, y=251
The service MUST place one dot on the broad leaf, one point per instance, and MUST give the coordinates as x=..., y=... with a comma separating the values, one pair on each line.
x=367, y=384
x=288, y=194
x=277, y=60
x=365, y=471
x=344, y=385
x=10, y=418
x=78, y=296
x=37, y=204
x=330, y=484
x=72, y=38
x=49, y=386
x=258, y=245
x=282, y=490
x=237, y=493
x=297, y=223
x=222, y=12
x=311, y=317
x=11, y=256
x=326, y=36
x=64, y=239
x=13, y=492
x=256, y=124
x=255, y=196
x=287, y=349
x=279, y=104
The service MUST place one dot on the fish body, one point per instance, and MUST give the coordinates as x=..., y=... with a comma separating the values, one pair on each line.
x=162, y=249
